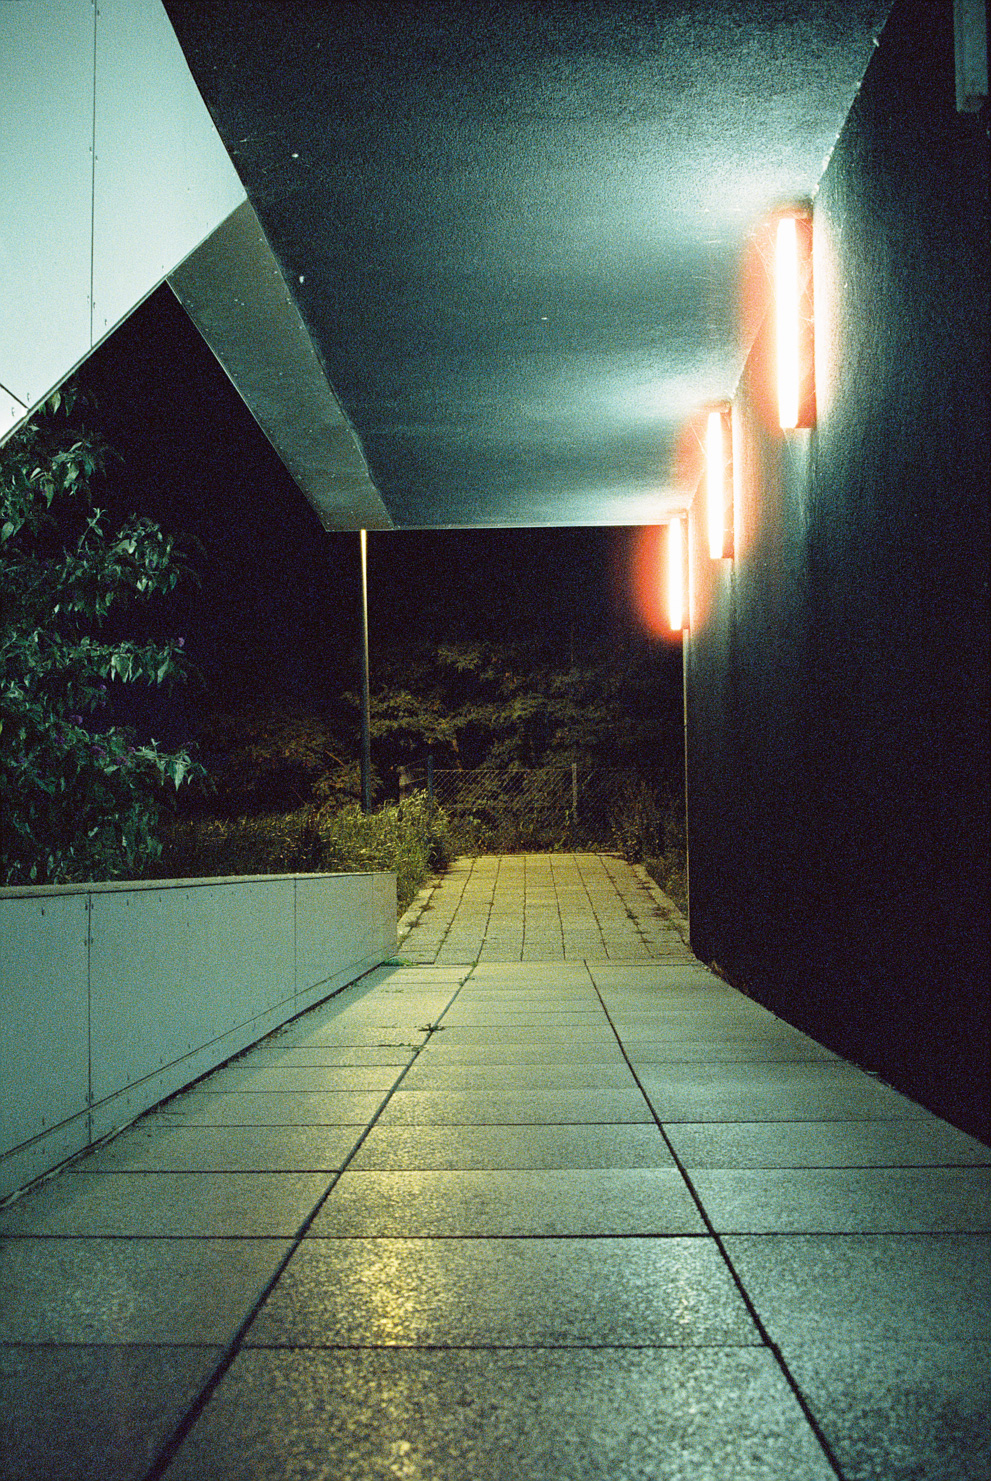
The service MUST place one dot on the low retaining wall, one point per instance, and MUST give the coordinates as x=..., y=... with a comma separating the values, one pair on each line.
x=113, y=996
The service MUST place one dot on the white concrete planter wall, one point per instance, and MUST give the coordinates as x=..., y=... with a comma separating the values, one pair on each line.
x=115, y=995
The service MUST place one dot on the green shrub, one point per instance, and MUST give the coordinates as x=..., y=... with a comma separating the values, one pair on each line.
x=668, y=866
x=266, y=758
x=261, y=843
x=82, y=798
x=638, y=823
x=410, y=839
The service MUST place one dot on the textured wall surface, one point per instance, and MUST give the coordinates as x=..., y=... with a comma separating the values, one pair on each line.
x=838, y=666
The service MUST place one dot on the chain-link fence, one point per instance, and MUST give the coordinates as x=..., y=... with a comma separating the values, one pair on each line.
x=508, y=810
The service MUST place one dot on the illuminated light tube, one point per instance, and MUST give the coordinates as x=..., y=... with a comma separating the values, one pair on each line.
x=719, y=482
x=677, y=575
x=793, y=321
x=788, y=328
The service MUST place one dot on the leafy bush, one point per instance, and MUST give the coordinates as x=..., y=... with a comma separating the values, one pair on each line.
x=261, y=843
x=81, y=801
x=411, y=840
x=273, y=757
x=669, y=866
x=638, y=823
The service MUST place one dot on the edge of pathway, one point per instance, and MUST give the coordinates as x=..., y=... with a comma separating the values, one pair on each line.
x=416, y=907
x=668, y=908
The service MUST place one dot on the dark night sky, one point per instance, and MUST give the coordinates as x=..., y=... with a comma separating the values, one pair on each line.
x=277, y=616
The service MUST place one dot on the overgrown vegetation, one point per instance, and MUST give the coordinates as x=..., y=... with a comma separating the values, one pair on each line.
x=278, y=787
x=651, y=832
x=410, y=839
x=82, y=798
x=503, y=727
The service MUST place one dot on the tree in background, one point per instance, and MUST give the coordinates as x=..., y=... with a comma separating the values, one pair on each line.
x=481, y=703
x=81, y=800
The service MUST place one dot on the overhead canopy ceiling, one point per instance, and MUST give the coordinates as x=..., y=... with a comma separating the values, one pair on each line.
x=514, y=230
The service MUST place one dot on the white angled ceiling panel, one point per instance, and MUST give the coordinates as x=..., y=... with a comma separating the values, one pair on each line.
x=163, y=180
x=46, y=120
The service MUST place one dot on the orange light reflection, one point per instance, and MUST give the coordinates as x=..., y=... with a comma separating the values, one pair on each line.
x=647, y=581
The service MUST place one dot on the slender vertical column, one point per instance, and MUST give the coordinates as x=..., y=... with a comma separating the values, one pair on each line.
x=366, y=742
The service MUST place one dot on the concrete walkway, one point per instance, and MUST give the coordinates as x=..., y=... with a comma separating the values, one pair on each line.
x=543, y=908
x=538, y=1219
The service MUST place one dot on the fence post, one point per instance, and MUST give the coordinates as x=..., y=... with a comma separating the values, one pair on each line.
x=430, y=780
x=574, y=793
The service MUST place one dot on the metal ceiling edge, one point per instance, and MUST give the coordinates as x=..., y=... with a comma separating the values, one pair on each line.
x=233, y=289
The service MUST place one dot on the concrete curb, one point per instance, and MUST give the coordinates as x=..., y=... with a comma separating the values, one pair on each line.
x=415, y=909
x=667, y=906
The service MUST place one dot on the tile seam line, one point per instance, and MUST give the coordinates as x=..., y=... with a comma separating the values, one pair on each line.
x=454, y=914
x=506, y=1347
x=588, y=897
x=173, y=1443
x=755, y=1317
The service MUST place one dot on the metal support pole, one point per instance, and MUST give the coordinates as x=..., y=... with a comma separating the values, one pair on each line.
x=366, y=741
x=430, y=780
x=574, y=793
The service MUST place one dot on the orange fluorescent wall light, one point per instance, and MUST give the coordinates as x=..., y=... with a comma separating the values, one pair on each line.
x=793, y=316
x=677, y=574
x=719, y=482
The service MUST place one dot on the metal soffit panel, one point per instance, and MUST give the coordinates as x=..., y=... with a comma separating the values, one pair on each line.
x=514, y=231
x=234, y=292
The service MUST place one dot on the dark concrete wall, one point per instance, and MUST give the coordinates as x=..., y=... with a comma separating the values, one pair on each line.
x=838, y=667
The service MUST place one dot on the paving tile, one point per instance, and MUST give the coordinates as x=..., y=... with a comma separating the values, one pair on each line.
x=524, y=999
x=151, y=1146
x=407, y=975
x=529, y=1020
x=675, y=1016
x=330, y=1054
x=555, y=1202
x=502, y=1416
x=846, y=1200
x=909, y=1143
x=360, y=1036
x=448, y=1147
x=554, y=1038
x=528, y=972
x=247, y=1078
x=178, y=1204
x=439, y=1108
x=519, y=1052
x=780, y=1092
x=388, y=1025
x=681, y=1046
x=434, y=1075
x=93, y=1413
x=504, y=1292
x=276, y=1108
x=161, y=1291
x=902, y=1410
x=613, y=976
x=873, y=1288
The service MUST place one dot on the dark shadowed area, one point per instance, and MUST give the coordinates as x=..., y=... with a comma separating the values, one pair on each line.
x=276, y=617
